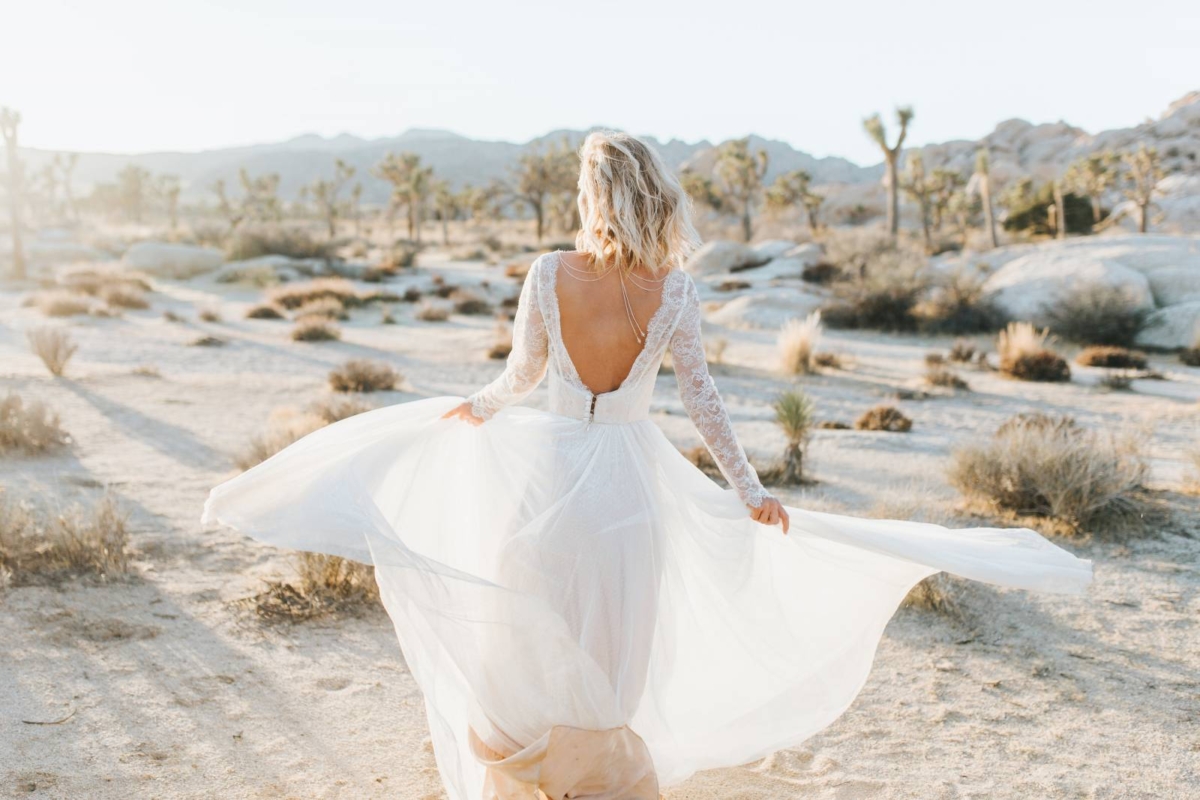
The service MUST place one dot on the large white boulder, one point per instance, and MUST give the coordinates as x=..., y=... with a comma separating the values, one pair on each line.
x=1172, y=327
x=767, y=309
x=165, y=260
x=1025, y=289
x=720, y=256
x=1174, y=285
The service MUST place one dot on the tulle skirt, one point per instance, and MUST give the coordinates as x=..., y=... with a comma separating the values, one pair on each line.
x=586, y=613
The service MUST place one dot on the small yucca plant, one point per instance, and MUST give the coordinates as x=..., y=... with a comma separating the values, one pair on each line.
x=795, y=414
x=53, y=346
x=798, y=342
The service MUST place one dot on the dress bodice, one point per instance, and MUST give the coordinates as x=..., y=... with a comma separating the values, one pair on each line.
x=538, y=350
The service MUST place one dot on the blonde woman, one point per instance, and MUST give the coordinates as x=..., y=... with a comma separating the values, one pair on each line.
x=588, y=615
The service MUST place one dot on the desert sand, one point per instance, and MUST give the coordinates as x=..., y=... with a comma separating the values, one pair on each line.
x=166, y=685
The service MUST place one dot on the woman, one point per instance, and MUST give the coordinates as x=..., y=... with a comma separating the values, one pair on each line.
x=587, y=614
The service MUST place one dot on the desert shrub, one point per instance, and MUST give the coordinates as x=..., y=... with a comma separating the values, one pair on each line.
x=1098, y=315
x=265, y=311
x=207, y=341
x=1117, y=381
x=884, y=418
x=1024, y=355
x=171, y=316
x=1114, y=357
x=267, y=240
x=411, y=295
x=295, y=295
x=53, y=346
x=963, y=352
x=428, y=312
x=28, y=427
x=146, y=371
x=286, y=425
x=1030, y=211
x=794, y=414
x=386, y=317
x=797, y=344
x=1190, y=356
x=60, y=303
x=95, y=281
x=934, y=359
x=362, y=375
x=324, y=585
x=732, y=285
x=38, y=547
x=210, y=315
x=956, y=305
x=884, y=297
x=1036, y=420
x=315, y=329
x=947, y=378
x=828, y=361
x=821, y=273
x=323, y=308
x=467, y=303
x=120, y=295
x=832, y=425
x=1043, y=466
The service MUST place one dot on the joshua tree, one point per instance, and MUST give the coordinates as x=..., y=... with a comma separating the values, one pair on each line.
x=65, y=164
x=891, y=155
x=260, y=199
x=944, y=184
x=794, y=414
x=10, y=121
x=1092, y=176
x=983, y=181
x=1139, y=180
x=1060, y=210
x=167, y=188
x=232, y=214
x=356, y=207
x=410, y=187
x=133, y=188
x=794, y=189
x=741, y=174
x=917, y=184
x=540, y=175
x=445, y=202
x=701, y=189
x=961, y=207
x=325, y=194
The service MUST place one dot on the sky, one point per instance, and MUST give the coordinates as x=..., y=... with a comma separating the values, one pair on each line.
x=133, y=75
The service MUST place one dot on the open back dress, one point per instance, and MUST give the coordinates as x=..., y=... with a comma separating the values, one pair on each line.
x=587, y=614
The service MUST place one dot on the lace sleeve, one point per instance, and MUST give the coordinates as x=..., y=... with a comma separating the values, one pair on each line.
x=526, y=364
x=704, y=405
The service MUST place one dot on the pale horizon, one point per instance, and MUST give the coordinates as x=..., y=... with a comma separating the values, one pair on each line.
x=123, y=78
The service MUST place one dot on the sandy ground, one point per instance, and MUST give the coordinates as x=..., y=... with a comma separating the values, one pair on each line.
x=171, y=689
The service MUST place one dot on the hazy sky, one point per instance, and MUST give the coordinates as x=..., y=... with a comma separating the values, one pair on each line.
x=136, y=75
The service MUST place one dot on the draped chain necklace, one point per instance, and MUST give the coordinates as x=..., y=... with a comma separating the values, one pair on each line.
x=645, y=284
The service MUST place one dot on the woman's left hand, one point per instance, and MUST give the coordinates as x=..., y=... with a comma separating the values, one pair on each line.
x=771, y=512
x=464, y=412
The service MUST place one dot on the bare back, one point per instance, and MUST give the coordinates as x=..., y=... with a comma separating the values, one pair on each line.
x=595, y=325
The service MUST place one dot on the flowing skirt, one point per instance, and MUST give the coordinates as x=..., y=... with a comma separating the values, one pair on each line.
x=586, y=613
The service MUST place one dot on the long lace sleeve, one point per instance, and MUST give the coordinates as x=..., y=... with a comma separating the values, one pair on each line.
x=526, y=364
x=704, y=405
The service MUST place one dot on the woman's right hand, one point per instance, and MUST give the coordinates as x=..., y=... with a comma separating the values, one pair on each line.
x=771, y=512
x=464, y=412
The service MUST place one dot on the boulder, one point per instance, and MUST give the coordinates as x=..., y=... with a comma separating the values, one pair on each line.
x=767, y=309
x=165, y=260
x=1172, y=327
x=1027, y=287
x=1174, y=285
x=721, y=256
x=774, y=248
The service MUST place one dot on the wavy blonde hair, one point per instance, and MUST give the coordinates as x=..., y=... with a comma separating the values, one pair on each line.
x=632, y=209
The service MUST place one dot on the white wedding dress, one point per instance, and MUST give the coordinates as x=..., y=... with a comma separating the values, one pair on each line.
x=587, y=614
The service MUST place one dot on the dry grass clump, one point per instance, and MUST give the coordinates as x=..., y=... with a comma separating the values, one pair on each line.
x=28, y=427
x=411, y=295
x=797, y=343
x=171, y=316
x=732, y=285
x=287, y=425
x=963, y=352
x=828, y=361
x=295, y=295
x=146, y=371
x=956, y=304
x=60, y=303
x=386, y=317
x=1098, y=315
x=938, y=375
x=324, y=585
x=884, y=418
x=832, y=425
x=363, y=375
x=210, y=315
x=40, y=548
x=53, y=346
x=1051, y=467
x=1117, y=381
x=1115, y=357
x=1025, y=356
x=315, y=329
x=265, y=311
x=266, y=240
x=207, y=341
x=323, y=308
x=428, y=312
x=94, y=281
x=468, y=303
x=119, y=295
x=1190, y=356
